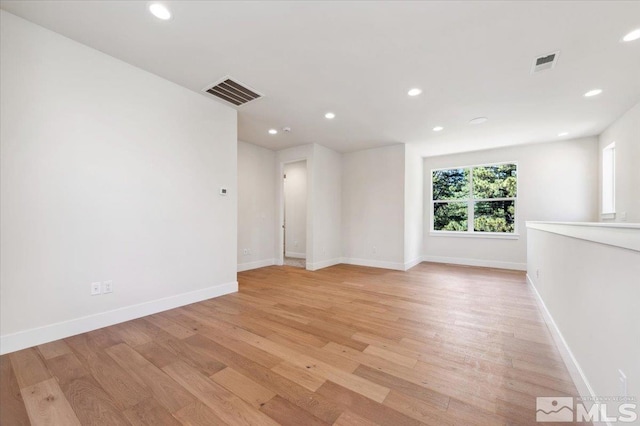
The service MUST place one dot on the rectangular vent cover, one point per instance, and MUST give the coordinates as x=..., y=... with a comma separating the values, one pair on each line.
x=545, y=62
x=233, y=92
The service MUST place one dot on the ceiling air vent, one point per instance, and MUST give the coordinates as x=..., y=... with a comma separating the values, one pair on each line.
x=545, y=62
x=233, y=92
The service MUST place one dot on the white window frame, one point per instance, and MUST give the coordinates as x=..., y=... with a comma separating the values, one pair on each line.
x=608, y=206
x=470, y=232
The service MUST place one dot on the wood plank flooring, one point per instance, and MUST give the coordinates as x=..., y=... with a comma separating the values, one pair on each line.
x=347, y=345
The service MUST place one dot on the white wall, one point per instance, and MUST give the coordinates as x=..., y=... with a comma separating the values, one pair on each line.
x=107, y=173
x=326, y=208
x=413, y=206
x=591, y=291
x=256, y=206
x=625, y=132
x=354, y=202
x=556, y=181
x=373, y=211
x=295, y=201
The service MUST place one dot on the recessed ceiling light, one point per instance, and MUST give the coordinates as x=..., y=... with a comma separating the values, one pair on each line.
x=563, y=134
x=478, y=120
x=414, y=92
x=330, y=115
x=594, y=92
x=273, y=132
x=160, y=11
x=633, y=35
x=438, y=128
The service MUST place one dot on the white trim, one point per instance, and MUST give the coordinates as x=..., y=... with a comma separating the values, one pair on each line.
x=577, y=375
x=586, y=224
x=623, y=235
x=296, y=255
x=373, y=263
x=412, y=263
x=475, y=200
x=323, y=264
x=256, y=264
x=476, y=262
x=499, y=163
x=477, y=234
x=37, y=336
x=280, y=204
x=608, y=215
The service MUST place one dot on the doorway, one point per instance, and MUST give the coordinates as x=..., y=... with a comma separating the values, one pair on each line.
x=294, y=226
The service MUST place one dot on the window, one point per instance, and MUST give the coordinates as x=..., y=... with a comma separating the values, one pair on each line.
x=476, y=199
x=609, y=181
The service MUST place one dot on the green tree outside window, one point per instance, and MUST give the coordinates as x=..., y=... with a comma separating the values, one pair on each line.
x=475, y=199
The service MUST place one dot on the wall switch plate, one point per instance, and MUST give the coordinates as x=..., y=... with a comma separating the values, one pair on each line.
x=107, y=287
x=96, y=289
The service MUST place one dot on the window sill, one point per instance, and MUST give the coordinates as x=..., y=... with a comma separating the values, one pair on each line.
x=608, y=215
x=490, y=235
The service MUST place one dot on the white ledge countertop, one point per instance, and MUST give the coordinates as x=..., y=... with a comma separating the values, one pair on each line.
x=623, y=235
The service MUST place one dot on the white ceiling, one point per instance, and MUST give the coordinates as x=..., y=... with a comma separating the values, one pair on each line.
x=358, y=59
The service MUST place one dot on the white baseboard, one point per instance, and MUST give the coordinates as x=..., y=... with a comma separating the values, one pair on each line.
x=476, y=262
x=412, y=263
x=37, y=336
x=296, y=255
x=577, y=375
x=323, y=264
x=374, y=263
x=254, y=265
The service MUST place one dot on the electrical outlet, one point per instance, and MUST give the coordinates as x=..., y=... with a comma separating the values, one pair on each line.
x=537, y=273
x=95, y=289
x=107, y=287
x=245, y=251
x=295, y=243
x=375, y=249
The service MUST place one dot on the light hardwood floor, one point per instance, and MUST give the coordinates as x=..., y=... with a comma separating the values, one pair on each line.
x=347, y=345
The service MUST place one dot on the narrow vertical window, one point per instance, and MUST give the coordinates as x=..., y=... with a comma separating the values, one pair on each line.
x=609, y=181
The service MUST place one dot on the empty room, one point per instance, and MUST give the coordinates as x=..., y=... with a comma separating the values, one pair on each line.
x=319, y=213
